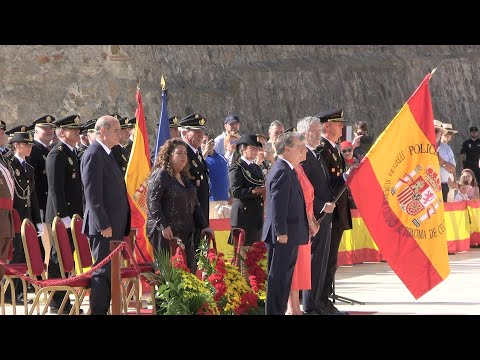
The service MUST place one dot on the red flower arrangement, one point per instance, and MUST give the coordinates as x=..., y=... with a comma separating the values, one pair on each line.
x=178, y=260
x=256, y=263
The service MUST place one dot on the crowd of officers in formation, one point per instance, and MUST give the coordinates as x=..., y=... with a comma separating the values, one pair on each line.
x=40, y=175
x=40, y=172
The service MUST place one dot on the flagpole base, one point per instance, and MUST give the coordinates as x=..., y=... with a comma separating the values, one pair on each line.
x=344, y=299
x=335, y=297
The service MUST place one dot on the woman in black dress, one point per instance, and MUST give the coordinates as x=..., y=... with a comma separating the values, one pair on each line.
x=247, y=186
x=173, y=208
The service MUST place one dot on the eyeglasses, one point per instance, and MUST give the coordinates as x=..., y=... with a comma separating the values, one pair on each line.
x=344, y=151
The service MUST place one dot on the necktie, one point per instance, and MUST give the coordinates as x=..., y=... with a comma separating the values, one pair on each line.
x=24, y=164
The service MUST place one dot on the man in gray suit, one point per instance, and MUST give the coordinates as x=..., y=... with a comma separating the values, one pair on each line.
x=107, y=212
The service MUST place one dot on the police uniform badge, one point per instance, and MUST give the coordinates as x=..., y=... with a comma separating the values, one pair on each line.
x=17, y=172
x=201, y=122
x=48, y=119
x=194, y=163
x=70, y=160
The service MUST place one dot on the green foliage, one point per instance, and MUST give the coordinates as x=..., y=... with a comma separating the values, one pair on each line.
x=177, y=292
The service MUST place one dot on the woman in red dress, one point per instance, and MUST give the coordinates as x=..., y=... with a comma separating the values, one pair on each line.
x=302, y=274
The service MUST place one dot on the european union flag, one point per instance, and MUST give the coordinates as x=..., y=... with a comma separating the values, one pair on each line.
x=163, y=127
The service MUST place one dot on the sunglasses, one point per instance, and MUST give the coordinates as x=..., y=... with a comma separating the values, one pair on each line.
x=344, y=151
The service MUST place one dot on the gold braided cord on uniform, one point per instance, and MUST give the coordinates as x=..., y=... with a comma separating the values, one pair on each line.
x=26, y=192
x=247, y=175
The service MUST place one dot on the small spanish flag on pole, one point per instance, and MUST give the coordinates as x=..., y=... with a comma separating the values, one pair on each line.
x=403, y=207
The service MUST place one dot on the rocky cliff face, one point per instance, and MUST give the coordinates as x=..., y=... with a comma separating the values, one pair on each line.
x=260, y=83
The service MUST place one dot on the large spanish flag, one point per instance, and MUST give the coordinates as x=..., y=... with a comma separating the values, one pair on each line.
x=402, y=207
x=138, y=170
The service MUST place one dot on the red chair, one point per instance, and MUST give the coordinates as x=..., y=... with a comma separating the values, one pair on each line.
x=8, y=277
x=36, y=267
x=67, y=267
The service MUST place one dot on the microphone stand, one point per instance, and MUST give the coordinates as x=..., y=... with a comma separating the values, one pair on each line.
x=334, y=296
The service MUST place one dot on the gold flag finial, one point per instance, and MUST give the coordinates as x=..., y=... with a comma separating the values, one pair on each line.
x=162, y=83
x=433, y=71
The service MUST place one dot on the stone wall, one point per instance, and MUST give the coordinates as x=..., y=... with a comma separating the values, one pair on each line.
x=260, y=83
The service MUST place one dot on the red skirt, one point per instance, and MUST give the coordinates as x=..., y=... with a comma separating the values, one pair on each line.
x=302, y=277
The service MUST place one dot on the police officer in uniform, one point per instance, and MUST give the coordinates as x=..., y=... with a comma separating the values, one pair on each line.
x=332, y=125
x=130, y=126
x=470, y=153
x=65, y=190
x=6, y=210
x=3, y=146
x=173, y=124
x=247, y=186
x=88, y=129
x=43, y=134
x=118, y=151
x=25, y=200
x=191, y=128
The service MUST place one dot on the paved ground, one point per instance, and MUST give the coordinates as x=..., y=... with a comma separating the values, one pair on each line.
x=384, y=294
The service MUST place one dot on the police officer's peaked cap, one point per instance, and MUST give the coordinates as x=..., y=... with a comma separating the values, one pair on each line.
x=45, y=121
x=193, y=121
x=249, y=140
x=173, y=121
x=23, y=137
x=132, y=121
x=70, y=121
x=123, y=122
x=333, y=115
x=19, y=128
x=89, y=126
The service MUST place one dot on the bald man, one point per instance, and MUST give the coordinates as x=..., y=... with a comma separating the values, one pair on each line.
x=107, y=212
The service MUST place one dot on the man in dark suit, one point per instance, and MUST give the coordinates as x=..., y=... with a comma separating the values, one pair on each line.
x=323, y=203
x=107, y=212
x=192, y=128
x=332, y=125
x=286, y=223
x=64, y=190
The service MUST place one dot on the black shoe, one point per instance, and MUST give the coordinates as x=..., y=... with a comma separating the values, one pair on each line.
x=66, y=310
x=19, y=300
x=319, y=311
x=30, y=289
x=332, y=310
